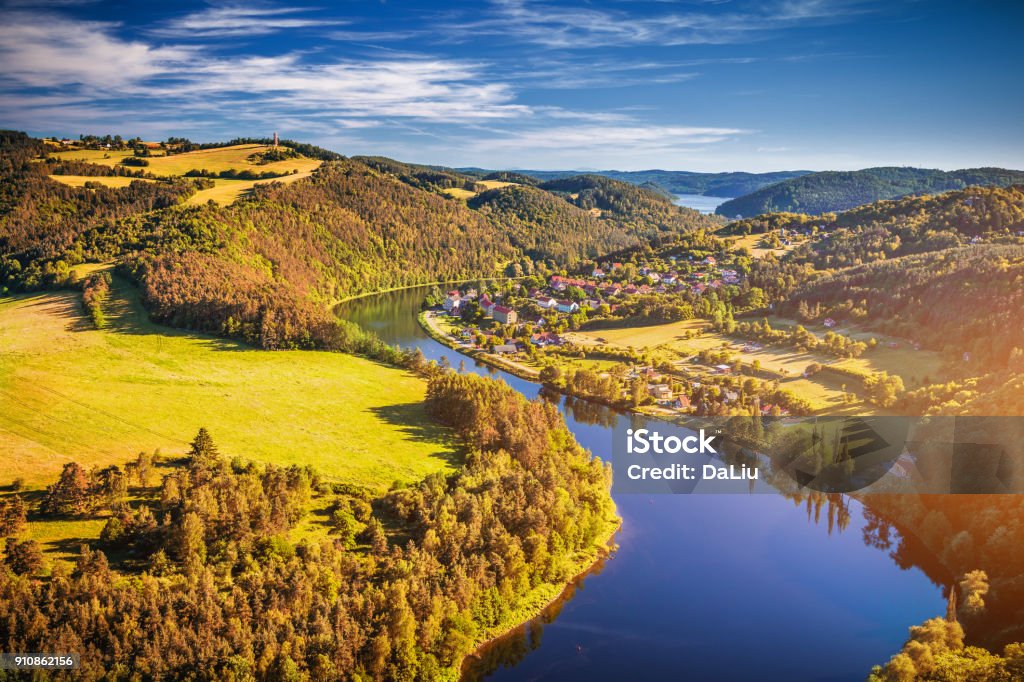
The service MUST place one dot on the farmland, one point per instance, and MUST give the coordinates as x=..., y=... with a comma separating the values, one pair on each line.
x=235, y=157
x=70, y=392
x=226, y=191
x=826, y=390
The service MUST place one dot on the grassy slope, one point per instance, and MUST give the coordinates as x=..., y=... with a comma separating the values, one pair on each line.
x=71, y=392
x=217, y=159
x=227, y=191
x=460, y=193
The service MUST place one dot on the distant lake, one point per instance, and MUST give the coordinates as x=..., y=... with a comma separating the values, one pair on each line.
x=701, y=202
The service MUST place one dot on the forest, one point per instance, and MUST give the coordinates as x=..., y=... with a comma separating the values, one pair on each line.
x=963, y=301
x=213, y=576
x=830, y=191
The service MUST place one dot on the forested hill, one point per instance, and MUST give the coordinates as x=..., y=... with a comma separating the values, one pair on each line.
x=831, y=191
x=266, y=267
x=730, y=184
x=430, y=178
x=545, y=226
x=964, y=301
x=900, y=227
x=636, y=210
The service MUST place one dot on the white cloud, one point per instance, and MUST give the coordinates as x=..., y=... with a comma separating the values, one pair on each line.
x=49, y=51
x=79, y=61
x=240, y=20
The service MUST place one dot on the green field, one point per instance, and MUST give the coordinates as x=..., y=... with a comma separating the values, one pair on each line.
x=70, y=392
x=214, y=160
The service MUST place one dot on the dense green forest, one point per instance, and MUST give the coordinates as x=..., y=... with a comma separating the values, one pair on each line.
x=733, y=184
x=211, y=575
x=830, y=191
x=900, y=227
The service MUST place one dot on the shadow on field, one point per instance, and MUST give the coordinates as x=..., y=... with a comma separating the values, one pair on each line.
x=415, y=424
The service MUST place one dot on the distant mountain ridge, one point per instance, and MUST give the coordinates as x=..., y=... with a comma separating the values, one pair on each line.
x=831, y=191
x=733, y=184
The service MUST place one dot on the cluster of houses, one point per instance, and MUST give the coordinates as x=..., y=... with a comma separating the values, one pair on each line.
x=597, y=290
x=455, y=303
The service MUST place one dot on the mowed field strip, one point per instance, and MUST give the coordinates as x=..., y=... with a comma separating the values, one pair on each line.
x=109, y=181
x=70, y=392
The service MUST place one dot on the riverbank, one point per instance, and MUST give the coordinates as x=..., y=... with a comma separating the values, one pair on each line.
x=548, y=595
x=428, y=321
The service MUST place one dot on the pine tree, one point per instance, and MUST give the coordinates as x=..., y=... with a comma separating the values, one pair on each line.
x=203, y=447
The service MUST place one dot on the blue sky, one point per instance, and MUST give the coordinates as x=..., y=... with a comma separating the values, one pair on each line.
x=701, y=85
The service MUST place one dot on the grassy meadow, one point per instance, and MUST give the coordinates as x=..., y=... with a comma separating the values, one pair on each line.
x=214, y=160
x=70, y=392
x=460, y=193
x=225, y=191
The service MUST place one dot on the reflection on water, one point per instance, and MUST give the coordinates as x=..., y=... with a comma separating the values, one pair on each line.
x=703, y=587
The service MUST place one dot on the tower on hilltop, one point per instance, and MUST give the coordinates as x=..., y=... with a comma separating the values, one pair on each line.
x=275, y=138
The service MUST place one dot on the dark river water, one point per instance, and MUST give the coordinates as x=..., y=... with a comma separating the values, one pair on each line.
x=702, y=587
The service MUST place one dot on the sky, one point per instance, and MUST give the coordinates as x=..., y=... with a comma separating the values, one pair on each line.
x=700, y=85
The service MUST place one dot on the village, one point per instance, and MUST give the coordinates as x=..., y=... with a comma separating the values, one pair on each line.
x=534, y=332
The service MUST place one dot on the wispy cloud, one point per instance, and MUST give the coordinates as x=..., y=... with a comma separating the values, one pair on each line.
x=44, y=50
x=633, y=137
x=77, y=60
x=241, y=20
x=563, y=27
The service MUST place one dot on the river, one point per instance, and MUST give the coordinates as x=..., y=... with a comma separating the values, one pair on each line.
x=703, y=587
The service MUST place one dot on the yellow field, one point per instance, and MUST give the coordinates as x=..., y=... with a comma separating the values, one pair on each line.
x=104, y=157
x=494, y=184
x=214, y=160
x=80, y=180
x=70, y=392
x=460, y=193
x=753, y=242
x=225, y=191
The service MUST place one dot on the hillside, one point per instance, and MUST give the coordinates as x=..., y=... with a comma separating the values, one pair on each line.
x=429, y=178
x=899, y=227
x=635, y=210
x=831, y=191
x=546, y=227
x=962, y=301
